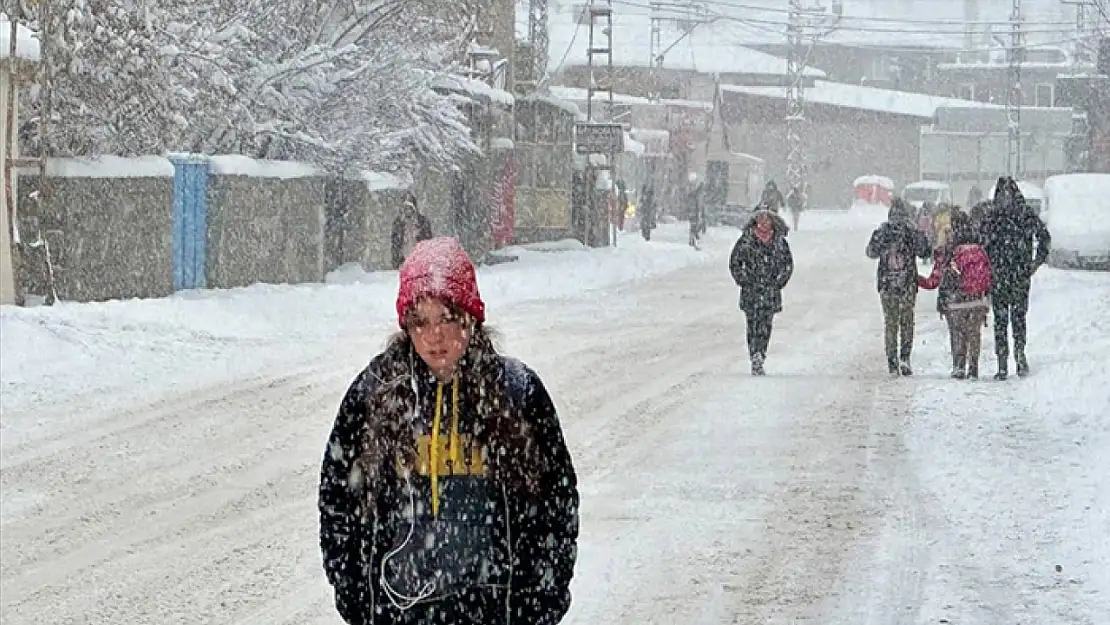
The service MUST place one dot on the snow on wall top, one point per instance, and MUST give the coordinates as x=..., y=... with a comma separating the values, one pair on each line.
x=867, y=98
x=26, y=43
x=110, y=167
x=238, y=165
x=712, y=48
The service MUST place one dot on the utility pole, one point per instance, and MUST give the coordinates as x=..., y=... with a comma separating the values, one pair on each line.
x=1082, y=31
x=538, y=38
x=688, y=15
x=804, y=24
x=1015, y=57
x=594, y=137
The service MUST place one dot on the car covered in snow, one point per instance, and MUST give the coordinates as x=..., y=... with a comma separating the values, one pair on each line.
x=1077, y=213
x=932, y=191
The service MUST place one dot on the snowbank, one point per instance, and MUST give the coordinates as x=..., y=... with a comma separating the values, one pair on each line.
x=26, y=42
x=239, y=165
x=1019, y=469
x=110, y=167
x=189, y=339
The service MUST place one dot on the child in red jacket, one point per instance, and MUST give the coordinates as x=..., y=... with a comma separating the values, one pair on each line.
x=962, y=273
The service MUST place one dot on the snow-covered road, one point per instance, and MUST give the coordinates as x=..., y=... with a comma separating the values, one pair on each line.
x=824, y=491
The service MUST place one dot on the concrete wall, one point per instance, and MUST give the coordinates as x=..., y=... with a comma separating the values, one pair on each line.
x=110, y=238
x=264, y=230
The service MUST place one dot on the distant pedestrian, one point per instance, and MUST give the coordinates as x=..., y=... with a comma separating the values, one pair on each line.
x=761, y=264
x=896, y=244
x=409, y=228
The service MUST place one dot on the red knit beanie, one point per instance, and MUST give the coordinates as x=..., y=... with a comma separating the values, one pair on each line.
x=442, y=269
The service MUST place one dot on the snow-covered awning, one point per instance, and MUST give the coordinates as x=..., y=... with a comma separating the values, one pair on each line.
x=881, y=181
x=474, y=89
x=26, y=43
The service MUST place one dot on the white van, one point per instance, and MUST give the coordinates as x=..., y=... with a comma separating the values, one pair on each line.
x=917, y=193
x=1077, y=213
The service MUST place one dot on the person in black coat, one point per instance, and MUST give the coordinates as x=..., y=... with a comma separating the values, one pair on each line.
x=1017, y=243
x=409, y=228
x=447, y=493
x=897, y=243
x=761, y=264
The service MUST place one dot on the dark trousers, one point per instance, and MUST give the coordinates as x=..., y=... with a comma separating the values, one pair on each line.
x=1011, y=303
x=760, y=323
x=898, y=320
x=965, y=328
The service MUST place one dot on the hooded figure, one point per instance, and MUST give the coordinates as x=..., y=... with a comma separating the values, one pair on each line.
x=962, y=272
x=897, y=243
x=761, y=265
x=772, y=198
x=447, y=494
x=1018, y=243
x=409, y=228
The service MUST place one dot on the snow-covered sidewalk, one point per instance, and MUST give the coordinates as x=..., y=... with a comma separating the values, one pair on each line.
x=121, y=350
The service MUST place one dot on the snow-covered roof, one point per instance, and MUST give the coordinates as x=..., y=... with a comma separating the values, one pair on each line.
x=867, y=98
x=553, y=100
x=26, y=43
x=471, y=87
x=633, y=146
x=574, y=94
x=881, y=181
x=712, y=48
x=380, y=181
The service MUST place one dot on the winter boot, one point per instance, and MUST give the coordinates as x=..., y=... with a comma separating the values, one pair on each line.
x=973, y=369
x=892, y=368
x=757, y=364
x=1003, y=354
x=1022, y=363
x=904, y=367
x=958, y=373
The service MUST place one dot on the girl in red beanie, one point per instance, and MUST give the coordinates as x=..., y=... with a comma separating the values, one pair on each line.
x=447, y=494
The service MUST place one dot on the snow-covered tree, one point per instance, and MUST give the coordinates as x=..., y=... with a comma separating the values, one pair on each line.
x=344, y=83
x=111, y=91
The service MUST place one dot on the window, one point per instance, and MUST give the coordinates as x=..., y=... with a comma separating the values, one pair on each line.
x=965, y=92
x=1044, y=94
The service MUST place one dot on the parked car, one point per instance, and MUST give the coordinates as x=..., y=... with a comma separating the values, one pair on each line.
x=1077, y=212
x=932, y=191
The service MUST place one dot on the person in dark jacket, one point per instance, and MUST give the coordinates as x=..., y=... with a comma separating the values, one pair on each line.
x=409, y=228
x=897, y=243
x=772, y=198
x=761, y=264
x=447, y=493
x=1018, y=243
x=646, y=208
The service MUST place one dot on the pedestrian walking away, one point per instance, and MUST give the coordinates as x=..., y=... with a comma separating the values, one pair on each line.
x=897, y=243
x=761, y=264
x=1018, y=244
x=447, y=494
x=962, y=275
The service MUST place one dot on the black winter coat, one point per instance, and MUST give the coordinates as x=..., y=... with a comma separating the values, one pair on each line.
x=1008, y=232
x=761, y=270
x=897, y=245
x=481, y=550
